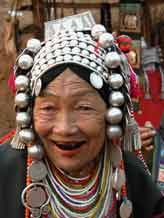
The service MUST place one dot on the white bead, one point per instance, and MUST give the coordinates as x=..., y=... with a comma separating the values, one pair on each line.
x=25, y=62
x=34, y=45
x=106, y=40
x=21, y=82
x=26, y=135
x=112, y=60
x=115, y=81
x=96, y=81
x=21, y=100
x=114, y=115
x=97, y=30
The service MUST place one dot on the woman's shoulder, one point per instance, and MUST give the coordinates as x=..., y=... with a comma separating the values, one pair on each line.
x=143, y=192
x=10, y=158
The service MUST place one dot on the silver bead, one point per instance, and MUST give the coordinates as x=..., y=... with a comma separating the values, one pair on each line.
x=36, y=151
x=25, y=62
x=26, y=135
x=112, y=60
x=116, y=81
x=21, y=100
x=114, y=115
x=23, y=119
x=116, y=99
x=114, y=131
x=97, y=30
x=106, y=40
x=34, y=45
x=21, y=82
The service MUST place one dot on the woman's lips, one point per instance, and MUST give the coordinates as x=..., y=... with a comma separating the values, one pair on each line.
x=68, y=146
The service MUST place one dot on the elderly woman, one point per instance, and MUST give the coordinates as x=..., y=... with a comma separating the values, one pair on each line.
x=75, y=118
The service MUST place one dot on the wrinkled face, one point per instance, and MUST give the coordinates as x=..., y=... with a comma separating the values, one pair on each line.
x=69, y=117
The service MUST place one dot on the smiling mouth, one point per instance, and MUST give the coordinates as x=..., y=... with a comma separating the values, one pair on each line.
x=69, y=146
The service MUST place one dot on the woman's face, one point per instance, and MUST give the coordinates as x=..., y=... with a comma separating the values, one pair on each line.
x=69, y=117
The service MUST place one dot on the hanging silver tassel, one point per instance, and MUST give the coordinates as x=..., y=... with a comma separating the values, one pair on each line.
x=132, y=139
x=16, y=143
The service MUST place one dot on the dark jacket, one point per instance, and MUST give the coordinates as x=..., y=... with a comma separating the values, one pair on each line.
x=145, y=196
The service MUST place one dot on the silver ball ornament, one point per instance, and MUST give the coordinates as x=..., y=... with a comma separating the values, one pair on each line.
x=106, y=40
x=116, y=99
x=23, y=119
x=36, y=151
x=21, y=82
x=114, y=131
x=97, y=30
x=114, y=115
x=112, y=60
x=34, y=45
x=116, y=81
x=25, y=62
x=26, y=135
x=21, y=100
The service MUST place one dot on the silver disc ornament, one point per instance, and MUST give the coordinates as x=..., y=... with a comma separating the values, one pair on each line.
x=96, y=80
x=38, y=87
x=36, y=197
x=37, y=171
x=126, y=209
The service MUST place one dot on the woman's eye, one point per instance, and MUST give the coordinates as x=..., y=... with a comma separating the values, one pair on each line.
x=85, y=108
x=48, y=108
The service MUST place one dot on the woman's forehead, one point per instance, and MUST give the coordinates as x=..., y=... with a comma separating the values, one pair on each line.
x=70, y=87
x=69, y=81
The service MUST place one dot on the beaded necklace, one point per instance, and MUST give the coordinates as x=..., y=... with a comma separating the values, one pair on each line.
x=88, y=197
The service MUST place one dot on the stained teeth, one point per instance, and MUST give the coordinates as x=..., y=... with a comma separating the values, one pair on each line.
x=68, y=146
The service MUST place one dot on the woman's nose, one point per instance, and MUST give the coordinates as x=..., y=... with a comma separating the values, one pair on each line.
x=65, y=124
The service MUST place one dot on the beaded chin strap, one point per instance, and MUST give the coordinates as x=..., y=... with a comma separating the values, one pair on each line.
x=107, y=65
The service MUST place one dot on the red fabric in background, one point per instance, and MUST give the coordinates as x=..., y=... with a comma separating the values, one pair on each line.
x=151, y=109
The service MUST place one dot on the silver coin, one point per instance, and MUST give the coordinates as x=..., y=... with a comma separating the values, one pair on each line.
x=115, y=155
x=36, y=197
x=38, y=87
x=37, y=171
x=96, y=81
x=126, y=209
